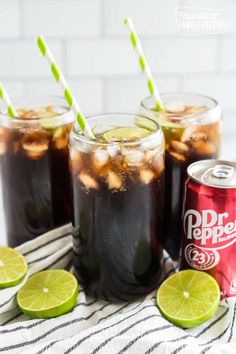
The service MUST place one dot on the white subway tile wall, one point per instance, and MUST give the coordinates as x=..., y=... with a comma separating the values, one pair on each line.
x=61, y=18
x=92, y=46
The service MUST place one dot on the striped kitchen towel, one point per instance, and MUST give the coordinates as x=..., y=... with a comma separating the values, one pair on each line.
x=101, y=327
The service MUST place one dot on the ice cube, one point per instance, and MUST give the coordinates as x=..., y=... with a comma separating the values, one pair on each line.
x=113, y=150
x=29, y=114
x=75, y=161
x=59, y=133
x=193, y=134
x=175, y=106
x=113, y=180
x=146, y=175
x=1, y=132
x=75, y=155
x=179, y=146
x=100, y=158
x=4, y=134
x=158, y=164
x=21, y=112
x=177, y=156
x=50, y=109
x=204, y=148
x=34, y=142
x=35, y=150
x=88, y=181
x=84, y=147
x=3, y=147
x=61, y=143
x=195, y=110
x=151, y=154
x=133, y=157
x=150, y=144
x=60, y=138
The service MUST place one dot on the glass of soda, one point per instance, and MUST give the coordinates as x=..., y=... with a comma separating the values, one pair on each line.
x=192, y=128
x=34, y=167
x=118, y=205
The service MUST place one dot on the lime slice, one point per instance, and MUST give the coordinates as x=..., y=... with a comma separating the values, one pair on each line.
x=45, y=118
x=13, y=267
x=125, y=133
x=172, y=132
x=188, y=298
x=48, y=294
x=145, y=123
x=42, y=114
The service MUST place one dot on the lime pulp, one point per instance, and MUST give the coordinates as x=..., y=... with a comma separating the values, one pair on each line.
x=125, y=133
x=188, y=298
x=13, y=267
x=48, y=294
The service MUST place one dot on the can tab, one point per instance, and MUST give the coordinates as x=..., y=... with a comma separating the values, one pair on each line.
x=223, y=171
x=220, y=175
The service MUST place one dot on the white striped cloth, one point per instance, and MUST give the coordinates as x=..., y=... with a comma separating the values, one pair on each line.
x=102, y=327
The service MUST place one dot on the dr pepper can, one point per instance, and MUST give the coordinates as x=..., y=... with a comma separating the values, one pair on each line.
x=209, y=222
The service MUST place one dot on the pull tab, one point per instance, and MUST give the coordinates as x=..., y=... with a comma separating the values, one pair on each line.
x=223, y=171
x=219, y=176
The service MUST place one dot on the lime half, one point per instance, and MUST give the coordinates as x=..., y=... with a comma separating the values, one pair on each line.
x=188, y=298
x=48, y=294
x=125, y=133
x=13, y=267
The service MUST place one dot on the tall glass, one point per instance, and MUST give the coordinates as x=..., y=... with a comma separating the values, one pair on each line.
x=34, y=167
x=118, y=196
x=192, y=128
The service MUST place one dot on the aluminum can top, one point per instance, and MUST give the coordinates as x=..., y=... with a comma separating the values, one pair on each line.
x=213, y=173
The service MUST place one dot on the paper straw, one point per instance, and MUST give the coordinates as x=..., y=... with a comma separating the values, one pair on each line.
x=60, y=79
x=7, y=102
x=144, y=64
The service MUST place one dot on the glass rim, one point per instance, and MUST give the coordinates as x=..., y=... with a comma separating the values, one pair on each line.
x=216, y=106
x=82, y=138
x=59, y=116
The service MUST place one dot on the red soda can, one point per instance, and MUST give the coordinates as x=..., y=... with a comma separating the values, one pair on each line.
x=209, y=222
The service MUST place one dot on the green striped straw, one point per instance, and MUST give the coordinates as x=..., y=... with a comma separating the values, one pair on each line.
x=144, y=64
x=7, y=102
x=60, y=79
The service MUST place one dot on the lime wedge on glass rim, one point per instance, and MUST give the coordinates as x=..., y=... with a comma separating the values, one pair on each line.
x=125, y=133
x=13, y=267
x=171, y=129
x=188, y=298
x=145, y=123
x=48, y=294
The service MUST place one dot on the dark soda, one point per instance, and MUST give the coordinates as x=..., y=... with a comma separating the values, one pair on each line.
x=192, y=132
x=118, y=195
x=35, y=176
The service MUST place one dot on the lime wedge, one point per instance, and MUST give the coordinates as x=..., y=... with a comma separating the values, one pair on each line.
x=172, y=132
x=146, y=124
x=48, y=294
x=188, y=298
x=13, y=267
x=45, y=114
x=125, y=133
x=45, y=118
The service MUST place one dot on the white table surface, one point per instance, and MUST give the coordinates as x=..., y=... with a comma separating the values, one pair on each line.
x=228, y=153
